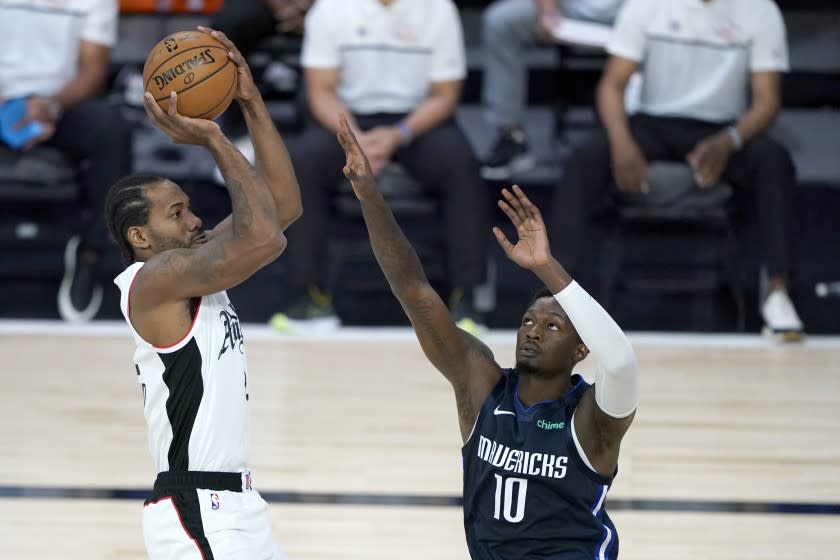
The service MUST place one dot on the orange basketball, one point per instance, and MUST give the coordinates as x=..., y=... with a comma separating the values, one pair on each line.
x=195, y=66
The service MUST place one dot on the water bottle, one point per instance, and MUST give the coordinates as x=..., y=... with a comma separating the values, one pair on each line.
x=827, y=289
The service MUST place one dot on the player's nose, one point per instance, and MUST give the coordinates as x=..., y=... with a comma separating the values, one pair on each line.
x=196, y=224
x=534, y=333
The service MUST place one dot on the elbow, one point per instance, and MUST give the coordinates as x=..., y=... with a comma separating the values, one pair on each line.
x=289, y=216
x=274, y=245
x=774, y=107
x=604, y=86
x=607, y=92
x=268, y=241
x=622, y=360
x=449, y=102
x=413, y=294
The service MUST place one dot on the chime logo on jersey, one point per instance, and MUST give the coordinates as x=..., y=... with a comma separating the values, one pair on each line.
x=550, y=425
x=233, y=332
x=215, y=503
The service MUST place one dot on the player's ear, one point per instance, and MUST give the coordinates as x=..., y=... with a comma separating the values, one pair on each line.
x=138, y=237
x=581, y=352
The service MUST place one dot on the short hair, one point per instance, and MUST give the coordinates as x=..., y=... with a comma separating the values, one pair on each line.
x=126, y=205
x=541, y=293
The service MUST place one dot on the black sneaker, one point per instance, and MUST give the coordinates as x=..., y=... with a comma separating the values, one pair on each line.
x=80, y=292
x=509, y=156
x=312, y=312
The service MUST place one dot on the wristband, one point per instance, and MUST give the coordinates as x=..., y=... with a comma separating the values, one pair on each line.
x=735, y=136
x=405, y=133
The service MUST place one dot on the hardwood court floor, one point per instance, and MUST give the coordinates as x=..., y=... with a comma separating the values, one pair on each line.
x=725, y=424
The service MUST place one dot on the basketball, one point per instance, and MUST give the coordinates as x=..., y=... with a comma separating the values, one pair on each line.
x=196, y=67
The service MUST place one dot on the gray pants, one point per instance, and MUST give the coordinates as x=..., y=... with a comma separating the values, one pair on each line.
x=509, y=28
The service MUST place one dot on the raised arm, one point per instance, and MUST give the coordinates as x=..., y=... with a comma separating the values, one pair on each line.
x=464, y=360
x=272, y=159
x=606, y=411
x=253, y=239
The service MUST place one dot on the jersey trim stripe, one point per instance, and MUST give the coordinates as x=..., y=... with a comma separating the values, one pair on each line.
x=182, y=377
x=579, y=447
x=186, y=334
x=192, y=537
x=128, y=315
x=128, y=301
x=189, y=513
x=603, y=547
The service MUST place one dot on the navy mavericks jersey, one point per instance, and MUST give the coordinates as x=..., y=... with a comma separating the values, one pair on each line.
x=527, y=491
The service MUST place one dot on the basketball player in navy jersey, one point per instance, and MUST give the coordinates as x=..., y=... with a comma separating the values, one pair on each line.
x=540, y=443
x=190, y=356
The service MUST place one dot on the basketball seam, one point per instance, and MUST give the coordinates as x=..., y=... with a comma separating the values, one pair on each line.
x=159, y=66
x=211, y=109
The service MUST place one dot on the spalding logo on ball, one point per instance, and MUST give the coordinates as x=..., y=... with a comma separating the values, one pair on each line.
x=195, y=66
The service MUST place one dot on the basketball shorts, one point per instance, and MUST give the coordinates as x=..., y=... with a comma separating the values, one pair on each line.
x=207, y=515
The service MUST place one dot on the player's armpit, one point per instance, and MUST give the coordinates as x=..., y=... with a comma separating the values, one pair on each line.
x=599, y=434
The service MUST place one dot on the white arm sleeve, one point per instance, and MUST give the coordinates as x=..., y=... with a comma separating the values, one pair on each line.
x=616, y=379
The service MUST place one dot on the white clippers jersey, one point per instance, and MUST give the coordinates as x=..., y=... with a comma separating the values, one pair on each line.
x=195, y=392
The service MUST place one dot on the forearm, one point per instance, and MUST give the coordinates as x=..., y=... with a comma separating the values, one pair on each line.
x=434, y=110
x=547, y=6
x=613, y=115
x=395, y=255
x=272, y=161
x=326, y=107
x=617, y=383
x=553, y=276
x=253, y=212
x=757, y=119
x=88, y=83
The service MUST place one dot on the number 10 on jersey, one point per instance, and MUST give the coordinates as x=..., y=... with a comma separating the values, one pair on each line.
x=509, y=491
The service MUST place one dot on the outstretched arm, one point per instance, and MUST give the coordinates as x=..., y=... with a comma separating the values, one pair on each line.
x=606, y=411
x=252, y=240
x=272, y=159
x=464, y=360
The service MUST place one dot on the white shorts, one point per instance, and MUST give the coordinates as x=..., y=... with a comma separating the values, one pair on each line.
x=182, y=520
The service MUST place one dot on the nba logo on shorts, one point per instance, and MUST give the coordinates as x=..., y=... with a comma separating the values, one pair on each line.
x=214, y=501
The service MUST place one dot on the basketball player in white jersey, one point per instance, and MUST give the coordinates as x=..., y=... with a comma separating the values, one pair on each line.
x=190, y=356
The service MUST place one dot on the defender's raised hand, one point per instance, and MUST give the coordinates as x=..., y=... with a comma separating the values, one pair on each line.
x=357, y=169
x=531, y=250
x=246, y=89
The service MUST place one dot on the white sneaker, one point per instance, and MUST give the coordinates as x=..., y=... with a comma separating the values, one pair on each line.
x=244, y=145
x=780, y=317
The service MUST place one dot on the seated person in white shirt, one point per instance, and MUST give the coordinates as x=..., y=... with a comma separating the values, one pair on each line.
x=56, y=55
x=510, y=27
x=710, y=90
x=396, y=68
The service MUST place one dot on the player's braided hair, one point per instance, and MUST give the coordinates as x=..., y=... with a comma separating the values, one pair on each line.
x=125, y=206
